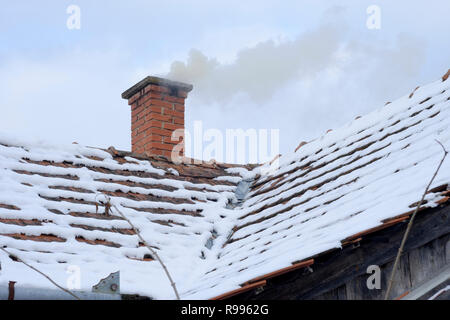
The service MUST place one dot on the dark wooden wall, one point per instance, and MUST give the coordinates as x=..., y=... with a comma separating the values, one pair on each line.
x=414, y=267
x=341, y=274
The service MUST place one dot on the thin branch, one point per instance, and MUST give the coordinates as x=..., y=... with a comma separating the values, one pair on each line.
x=411, y=220
x=153, y=252
x=14, y=257
x=172, y=283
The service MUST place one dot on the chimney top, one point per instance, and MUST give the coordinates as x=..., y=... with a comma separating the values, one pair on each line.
x=173, y=85
x=157, y=116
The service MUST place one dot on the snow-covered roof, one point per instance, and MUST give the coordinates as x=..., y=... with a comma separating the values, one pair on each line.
x=356, y=179
x=49, y=215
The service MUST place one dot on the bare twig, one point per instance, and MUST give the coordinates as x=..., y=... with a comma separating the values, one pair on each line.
x=153, y=252
x=14, y=257
x=411, y=220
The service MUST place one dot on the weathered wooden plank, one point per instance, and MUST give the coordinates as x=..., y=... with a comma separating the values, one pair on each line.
x=428, y=261
x=335, y=294
x=402, y=280
x=447, y=253
x=356, y=289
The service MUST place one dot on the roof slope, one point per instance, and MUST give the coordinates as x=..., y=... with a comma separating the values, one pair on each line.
x=356, y=179
x=360, y=177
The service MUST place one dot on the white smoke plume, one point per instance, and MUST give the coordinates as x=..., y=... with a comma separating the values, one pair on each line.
x=317, y=81
x=261, y=70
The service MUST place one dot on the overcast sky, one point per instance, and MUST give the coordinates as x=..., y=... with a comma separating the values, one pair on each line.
x=299, y=66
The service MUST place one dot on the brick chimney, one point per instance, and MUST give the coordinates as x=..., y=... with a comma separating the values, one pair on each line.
x=157, y=110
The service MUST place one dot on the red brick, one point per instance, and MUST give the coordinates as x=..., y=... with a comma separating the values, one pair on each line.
x=153, y=108
x=161, y=132
x=133, y=98
x=174, y=113
x=139, y=134
x=147, y=89
x=137, y=110
x=161, y=103
x=158, y=116
x=157, y=88
x=179, y=107
x=134, y=105
x=139, y=123
x=174, y=99
x=150, y=124
x=151, y=94
x=159, y=145
x=154, y=138
x=137, y=142
x=178, y=121
x=172, y=126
